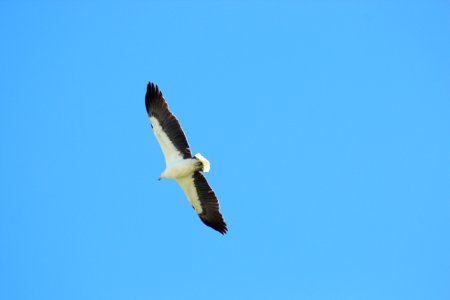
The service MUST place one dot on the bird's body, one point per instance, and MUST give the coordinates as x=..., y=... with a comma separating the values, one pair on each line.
x=181, y=168
x=180, y=164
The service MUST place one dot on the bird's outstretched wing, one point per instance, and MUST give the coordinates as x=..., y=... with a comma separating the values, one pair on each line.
x=203, y=200
x=165, y=125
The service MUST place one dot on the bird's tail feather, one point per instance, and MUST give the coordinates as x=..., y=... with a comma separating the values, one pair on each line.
x=205, y=163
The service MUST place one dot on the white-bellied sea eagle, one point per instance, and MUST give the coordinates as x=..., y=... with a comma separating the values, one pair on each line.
x=180, y=164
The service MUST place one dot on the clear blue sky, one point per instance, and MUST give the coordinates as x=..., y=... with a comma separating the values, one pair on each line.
x=326, y=123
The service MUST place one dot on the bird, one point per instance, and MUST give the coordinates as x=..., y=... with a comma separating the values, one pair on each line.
x=180, y=164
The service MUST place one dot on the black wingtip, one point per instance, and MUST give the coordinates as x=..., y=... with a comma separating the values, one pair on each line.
x=153, y=92
x=152, y=88
x=218, y=224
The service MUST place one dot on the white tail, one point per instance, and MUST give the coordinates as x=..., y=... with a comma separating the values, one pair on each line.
x=204, y=161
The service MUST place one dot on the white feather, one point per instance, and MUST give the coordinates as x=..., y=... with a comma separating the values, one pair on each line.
x=187, y=184
x=204, y=161
x=171, y=153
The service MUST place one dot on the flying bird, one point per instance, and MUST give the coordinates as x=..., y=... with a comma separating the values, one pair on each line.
x=180, y=164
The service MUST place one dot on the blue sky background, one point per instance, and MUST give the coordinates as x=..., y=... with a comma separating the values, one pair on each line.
x=326, y=123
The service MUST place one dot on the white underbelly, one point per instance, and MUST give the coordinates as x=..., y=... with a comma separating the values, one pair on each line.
x=181, y=168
